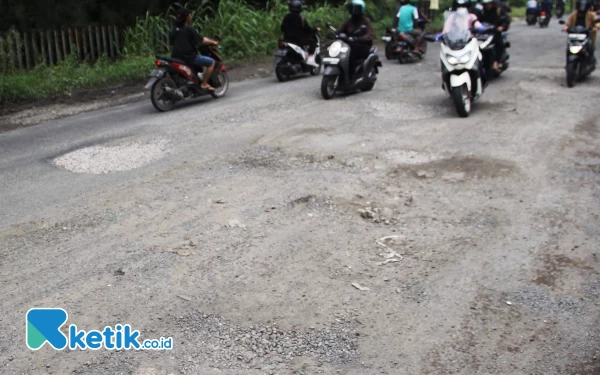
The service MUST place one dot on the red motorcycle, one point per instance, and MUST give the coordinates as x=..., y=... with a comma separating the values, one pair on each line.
x=173, y=80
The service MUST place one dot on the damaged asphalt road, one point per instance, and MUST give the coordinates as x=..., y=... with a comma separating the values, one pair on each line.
x=273, y=232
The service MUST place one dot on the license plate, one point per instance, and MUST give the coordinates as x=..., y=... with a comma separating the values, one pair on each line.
x=387, y=38
x=151, y=82
x=330, y=60
x=280, y=52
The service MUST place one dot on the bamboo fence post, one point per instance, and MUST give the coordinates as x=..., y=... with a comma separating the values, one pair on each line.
x=27, y=53
x=50, y=48
x=98, y=42
x=85, y=44
x=19, y=50
x=104, y=42
x=91, y=35
x=117, y=44
x=111, y=40
x=78, y=43
x=57, y=45
x=34, y=48
x=64, y=43
x=11, y=51
x=2, y=55
x=71, y=41
x=43, y=47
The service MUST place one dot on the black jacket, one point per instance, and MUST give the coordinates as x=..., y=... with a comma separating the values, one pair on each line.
x=185, y=41
x=295, y=27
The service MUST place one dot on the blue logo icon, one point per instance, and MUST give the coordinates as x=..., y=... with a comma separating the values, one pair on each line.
x=43, y=325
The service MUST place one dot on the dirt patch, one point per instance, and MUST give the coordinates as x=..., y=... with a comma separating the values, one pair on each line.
x=553, y=268
x=460, y=167
x=587, y=127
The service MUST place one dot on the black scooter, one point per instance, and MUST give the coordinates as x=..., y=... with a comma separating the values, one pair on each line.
x=580, y=59
x=400, y=46
x=337, y=75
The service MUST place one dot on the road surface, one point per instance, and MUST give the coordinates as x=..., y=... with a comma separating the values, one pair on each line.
x=279, y=233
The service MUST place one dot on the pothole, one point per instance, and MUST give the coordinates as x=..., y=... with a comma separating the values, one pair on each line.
x=403, y=111
x=409, y=157
x=110, y=159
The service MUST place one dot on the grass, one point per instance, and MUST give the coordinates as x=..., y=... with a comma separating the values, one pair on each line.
x=518, y=12
x=48, y=82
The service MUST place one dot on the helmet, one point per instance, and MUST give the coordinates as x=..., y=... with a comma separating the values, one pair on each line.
x=414, y=1
x=583, y=5
x=295, y=6
x=181, y=16
x=461, y=4
x=357, y=7
x=487, y=2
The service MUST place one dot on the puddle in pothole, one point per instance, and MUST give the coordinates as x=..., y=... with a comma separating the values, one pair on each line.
x=110, y=159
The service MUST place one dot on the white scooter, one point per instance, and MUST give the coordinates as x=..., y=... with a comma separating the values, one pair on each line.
x=291, y=60
x=461, y=62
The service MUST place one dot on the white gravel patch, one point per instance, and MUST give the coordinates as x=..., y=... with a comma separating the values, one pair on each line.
x=409, y=157
x=401, y=111
x=110, y=159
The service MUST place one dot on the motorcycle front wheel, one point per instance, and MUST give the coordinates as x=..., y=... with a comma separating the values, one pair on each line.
x=329, y=86
x=157, y=96
x=462, y=100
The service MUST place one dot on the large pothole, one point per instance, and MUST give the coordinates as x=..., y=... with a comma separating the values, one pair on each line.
x=110, y=159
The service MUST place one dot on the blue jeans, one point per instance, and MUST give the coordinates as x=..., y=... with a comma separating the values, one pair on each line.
x=203, y=61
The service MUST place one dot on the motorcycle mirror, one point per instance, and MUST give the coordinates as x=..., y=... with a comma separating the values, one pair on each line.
x=430, y=38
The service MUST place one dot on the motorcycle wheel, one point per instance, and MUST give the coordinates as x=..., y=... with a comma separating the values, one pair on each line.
x=389, y=54
x=223, y=86
x=156, y=94
x=369, y=86
x=329, y=86
x=571, y=74
x=462, y=100
x=423, y=49
x=282, y=76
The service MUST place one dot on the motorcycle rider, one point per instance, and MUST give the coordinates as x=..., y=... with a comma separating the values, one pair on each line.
x=359, y=45
x=296, y=30
x=495, y=16
x=547, y=7
x=186, y=40
x=456, y=5
x=408, y=15
x=583, y=16
x=532, y=7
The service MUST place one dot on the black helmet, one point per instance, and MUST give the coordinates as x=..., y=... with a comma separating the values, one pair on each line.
x=583, y=5
x=295, y=6
x=181, y=16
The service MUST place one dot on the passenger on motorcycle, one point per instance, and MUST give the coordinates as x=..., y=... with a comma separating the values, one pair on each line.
x=456, y=5
x=532, y=7
x=583, y=16
x=186, y=40
x=495, y=16
x=296, y=30
x=359, y=45
x=408, y=15
x=547, y=7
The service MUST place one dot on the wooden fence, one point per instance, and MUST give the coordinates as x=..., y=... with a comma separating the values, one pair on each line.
x=28, y=49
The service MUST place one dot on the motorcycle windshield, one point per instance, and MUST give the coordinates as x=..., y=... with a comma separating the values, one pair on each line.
x=457, y=33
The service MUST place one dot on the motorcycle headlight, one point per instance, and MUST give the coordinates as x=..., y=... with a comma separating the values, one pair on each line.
x=575, y=49
x=451, y=59
x=335, y=49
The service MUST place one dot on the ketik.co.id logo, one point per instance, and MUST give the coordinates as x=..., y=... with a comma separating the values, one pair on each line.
x=43, y=325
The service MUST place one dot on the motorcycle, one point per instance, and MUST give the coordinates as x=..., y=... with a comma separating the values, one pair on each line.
x=461, y=63
x=580, y=59
x=337, y=75
x=485, y=36
x=560, y=8
x=401, y=46
x=291, y=60
x=544, y=19
x=532, y=15
x=173, y=80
